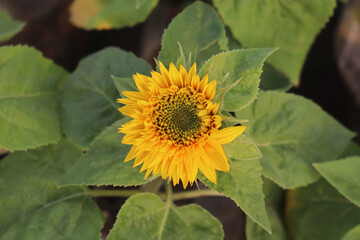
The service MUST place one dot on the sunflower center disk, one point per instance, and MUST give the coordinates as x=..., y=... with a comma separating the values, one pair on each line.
x=185, y=119
x=176, y=117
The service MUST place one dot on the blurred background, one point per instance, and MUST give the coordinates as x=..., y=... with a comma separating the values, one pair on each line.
x=330, y=76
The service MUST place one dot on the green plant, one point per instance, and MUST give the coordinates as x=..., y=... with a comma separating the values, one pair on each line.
x=62, y=131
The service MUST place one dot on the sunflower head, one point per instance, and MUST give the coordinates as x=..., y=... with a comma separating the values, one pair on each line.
x=175, y=130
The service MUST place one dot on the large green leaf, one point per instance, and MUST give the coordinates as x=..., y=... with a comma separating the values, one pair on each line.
x=353, y=234
x=89, y=96
x=8, y=26
x=242, y=148
x=352, y=149
x=292, y=133
x=243, y=184
x=271, y=78
x=28, y=98
x=274, y=207
x=99, y=14
x=344, y=175
x=31, y=204
x=319, y=212
x=290, y=25
x=274, y=194
x=104, y=163
x=145, y=216
x=238, y=74
x=255, y=232
x=198, y=29
x=124, y=84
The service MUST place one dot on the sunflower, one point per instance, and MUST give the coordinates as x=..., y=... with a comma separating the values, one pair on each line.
x=175, y=128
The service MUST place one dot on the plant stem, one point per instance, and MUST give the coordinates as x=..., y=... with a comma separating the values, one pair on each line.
x=195, y=194
x=168, y=190
x=168, y=196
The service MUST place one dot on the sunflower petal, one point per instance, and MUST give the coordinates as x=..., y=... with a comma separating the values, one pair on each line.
x=229, y=134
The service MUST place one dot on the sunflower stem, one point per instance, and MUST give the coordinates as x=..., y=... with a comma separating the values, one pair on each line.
x=169, y=193
x=195, y=194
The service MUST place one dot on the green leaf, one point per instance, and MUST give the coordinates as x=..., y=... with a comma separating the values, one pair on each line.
x=290, y=25
x=274, y=207
x=319, y=212
x=29, y=84
x=104, y=163
x=243, y=184
x=352, y=149
x=255, y=232
x=89, y=96
x=145, y=216
x=124, y=84
x=344, y=175
x=242, y=66
x=242, y=148
x=233, y=44
x=31, y=204
x=271, y=78
x=292, y=133
x=274, y=194
x=8, y=26
x=198, y=29
x=353, y=234
x=103, y=15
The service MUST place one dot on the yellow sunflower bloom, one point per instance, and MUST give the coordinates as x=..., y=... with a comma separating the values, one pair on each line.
x=175, y=127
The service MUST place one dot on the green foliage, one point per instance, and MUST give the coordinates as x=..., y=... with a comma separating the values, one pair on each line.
x=273, y=202
x=271, y=79
x=145, y=216
x=292, y=133
x=111, y=13
x=238, y=74
x=8, y=26
x=31, y=204
x=254, y=232
x=319, y=212
x=242, y=148
x=124, y=84
x=352, y=149
x=243, y=184
x=89, y=96
x=344, y=175
x=353, y=234
x=290, y=25
x=104, y=163
x=273, y=194
x=29, y=86
x=198, y=29
x=289, y=139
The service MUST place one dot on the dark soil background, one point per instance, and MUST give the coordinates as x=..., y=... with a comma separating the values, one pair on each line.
x=49, y=31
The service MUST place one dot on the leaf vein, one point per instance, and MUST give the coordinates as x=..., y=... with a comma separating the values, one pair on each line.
x=97, y=89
